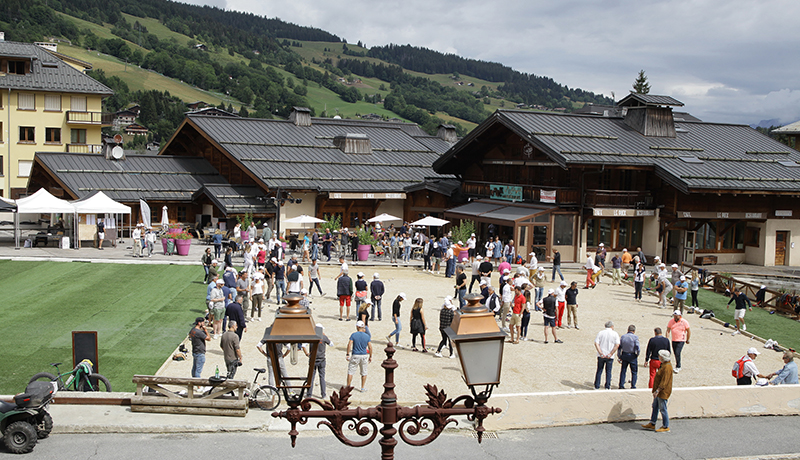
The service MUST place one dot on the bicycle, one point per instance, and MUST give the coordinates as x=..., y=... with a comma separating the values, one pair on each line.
x=266, y=397
x=80, y=379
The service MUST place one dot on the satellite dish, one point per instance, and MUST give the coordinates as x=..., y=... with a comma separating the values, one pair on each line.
x=117, y=139
x=117, y=153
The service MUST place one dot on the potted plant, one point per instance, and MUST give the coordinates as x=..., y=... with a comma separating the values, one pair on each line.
x=331, y=222
x=462, y=233
x=183, y=241
x=365, y=242
x=245, y=222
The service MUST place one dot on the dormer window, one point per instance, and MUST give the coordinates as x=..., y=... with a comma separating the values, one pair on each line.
x=16, y=67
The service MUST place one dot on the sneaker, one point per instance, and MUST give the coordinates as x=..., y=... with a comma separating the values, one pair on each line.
x=744, y=327
x=676, y=370
x=453, y=356
x=663, y=429
x=734, y=332
x=559, y=341
x=546, y=341
x=388, y=338
x=437, y=354
x=576, y=327
x=649, y=426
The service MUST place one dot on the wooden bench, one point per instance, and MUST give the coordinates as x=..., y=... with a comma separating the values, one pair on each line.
x=705, y=260
x=216, y=402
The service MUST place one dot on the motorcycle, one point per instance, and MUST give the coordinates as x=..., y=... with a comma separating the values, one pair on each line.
x=26, y=420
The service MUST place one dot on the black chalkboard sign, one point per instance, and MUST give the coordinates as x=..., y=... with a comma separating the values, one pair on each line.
x=84, y=346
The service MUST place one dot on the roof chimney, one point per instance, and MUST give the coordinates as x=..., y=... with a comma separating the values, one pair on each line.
x=2, y=36
x=353, y=143
x=649, y=114
x=301, y=116
x=447, y=133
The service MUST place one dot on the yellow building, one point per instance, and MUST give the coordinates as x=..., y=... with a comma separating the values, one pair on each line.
x=45, y=105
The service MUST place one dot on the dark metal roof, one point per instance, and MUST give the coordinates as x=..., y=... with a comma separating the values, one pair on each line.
x=237, y=199
x=732, y=156
x=649, y=99
x=149, y=177
x=444, y=187
x=48, y=73
x=285, y=155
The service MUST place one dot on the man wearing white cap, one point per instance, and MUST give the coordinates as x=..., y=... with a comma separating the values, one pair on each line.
x=319, y=363
x=376, y=289
x=745, y=369
x=450, y=262
x=476, y=272
x=359, y=354
x=137, y=240
x=681, y=289
x=590, y=268
x=538, y=284
x=549, y=314
x=664, y=287
x=561, y=301
x=534, y=262
x=679, y=328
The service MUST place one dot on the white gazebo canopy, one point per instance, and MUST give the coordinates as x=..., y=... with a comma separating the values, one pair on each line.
x=43, y=202
x=99, y=203
x=430, y=221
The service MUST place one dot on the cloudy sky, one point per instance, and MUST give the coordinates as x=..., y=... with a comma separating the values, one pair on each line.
x=729, y=61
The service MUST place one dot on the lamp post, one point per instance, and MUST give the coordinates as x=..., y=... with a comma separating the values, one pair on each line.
x=473, y=334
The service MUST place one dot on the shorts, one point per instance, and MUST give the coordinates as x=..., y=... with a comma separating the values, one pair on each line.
x=516, y=320
x=739, y=313
x=358, y=361
x=219, y=313
x=551, y=322
x=344, y=299
x=101, y=235
x=471, y=252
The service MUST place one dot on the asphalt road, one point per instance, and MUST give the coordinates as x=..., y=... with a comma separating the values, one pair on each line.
x=689, y=439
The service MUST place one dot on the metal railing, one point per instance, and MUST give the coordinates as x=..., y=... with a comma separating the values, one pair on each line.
x=84, y=148
x=89, y=118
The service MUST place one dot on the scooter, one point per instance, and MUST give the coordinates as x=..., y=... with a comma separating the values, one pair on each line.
x=26, y=420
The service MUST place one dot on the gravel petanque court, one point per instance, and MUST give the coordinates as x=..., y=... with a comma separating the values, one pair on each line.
x=528, y=367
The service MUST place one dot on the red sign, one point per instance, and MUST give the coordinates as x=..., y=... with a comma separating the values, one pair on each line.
x=547, y=196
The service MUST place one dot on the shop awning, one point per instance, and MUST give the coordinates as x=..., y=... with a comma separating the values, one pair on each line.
x=498, y=213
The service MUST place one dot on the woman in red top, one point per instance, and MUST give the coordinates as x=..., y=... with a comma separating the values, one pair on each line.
x=261, y=257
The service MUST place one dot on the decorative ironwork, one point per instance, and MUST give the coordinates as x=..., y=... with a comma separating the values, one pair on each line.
x=435, y=416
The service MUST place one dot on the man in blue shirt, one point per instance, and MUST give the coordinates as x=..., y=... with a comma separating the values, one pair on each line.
x=788, y=374
x=657, y=343
x=681, y=288
x=628, y=355
x=361, y=348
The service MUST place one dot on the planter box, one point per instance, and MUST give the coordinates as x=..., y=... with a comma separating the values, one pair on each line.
x=363, y=251
x=463, y=255
x=182, y=247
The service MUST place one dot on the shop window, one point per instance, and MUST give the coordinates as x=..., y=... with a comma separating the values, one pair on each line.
x=733, y=238
x=540, y=235
x=52, y=135
x=563, y=229
x=629, y=233
x=523, y=237
x=752, y=236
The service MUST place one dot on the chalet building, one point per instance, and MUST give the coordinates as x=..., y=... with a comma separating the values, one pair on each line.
x=135, y=129
x=123, y=118
x=639, y=175
x=355, y=169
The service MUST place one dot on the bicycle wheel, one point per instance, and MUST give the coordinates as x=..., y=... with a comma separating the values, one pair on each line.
x=48, y=377
x=267, y=397
x=98, y=383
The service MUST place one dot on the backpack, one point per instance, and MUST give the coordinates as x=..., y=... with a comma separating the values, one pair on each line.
x=707, y=314
x=738, y=368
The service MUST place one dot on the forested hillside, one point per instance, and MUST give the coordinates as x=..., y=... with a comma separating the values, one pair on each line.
x=263, y=67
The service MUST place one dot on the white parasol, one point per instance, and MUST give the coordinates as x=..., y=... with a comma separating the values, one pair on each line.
x=164, y=217
x=303, y=219
x=384, y=218
x=430, y=221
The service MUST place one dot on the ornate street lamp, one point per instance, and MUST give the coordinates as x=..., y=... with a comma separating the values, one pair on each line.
x=293, y=325
x=480, y=345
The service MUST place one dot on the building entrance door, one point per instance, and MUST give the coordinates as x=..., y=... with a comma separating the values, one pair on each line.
x=688, y=247
x=780, y=247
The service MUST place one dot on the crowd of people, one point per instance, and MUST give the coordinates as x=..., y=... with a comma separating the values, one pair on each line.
x=515, y=293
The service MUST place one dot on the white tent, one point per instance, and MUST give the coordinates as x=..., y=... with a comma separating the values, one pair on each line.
x=39, y=203
x=303, y=219
x=99, y=203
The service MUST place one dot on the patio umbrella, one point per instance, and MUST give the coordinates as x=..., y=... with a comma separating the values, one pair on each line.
x=384, y=218
x=304, y=219
x=164, y=217
x=430, y=221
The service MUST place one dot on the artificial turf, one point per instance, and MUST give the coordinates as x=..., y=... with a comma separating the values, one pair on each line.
x=140, y=312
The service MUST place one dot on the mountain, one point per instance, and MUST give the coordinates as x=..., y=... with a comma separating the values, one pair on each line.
x=772, y=122
x=263, y=66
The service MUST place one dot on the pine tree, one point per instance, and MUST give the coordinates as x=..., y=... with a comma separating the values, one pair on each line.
x=640, y=85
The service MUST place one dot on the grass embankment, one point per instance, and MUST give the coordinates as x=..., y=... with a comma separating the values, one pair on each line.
x=759, y=322
x=140, y=312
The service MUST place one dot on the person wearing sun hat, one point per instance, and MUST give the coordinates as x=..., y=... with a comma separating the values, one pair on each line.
x=662, y=389
x=360, y=346
x=746, y=369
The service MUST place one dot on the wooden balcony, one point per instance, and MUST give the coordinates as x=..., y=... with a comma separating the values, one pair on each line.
x=530, y=193
x=619, y=199
x=89, y=118
x=84, y=148
x=569, y=196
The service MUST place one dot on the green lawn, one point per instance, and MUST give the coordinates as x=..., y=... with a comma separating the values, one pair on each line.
x=759, y=322
x=140, y=312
